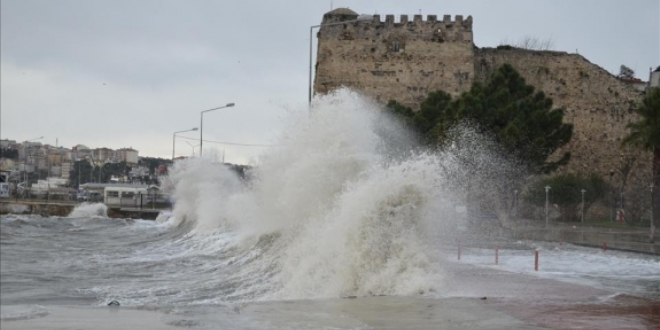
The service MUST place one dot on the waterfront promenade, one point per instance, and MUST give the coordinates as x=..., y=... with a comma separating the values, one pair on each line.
x=474, y=298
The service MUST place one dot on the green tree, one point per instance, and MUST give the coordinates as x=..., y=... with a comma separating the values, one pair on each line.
x=424, y=121
x=521, y=120
x=153, y=163
x=80, y=173
x=566, y=193
x=115, y=169
x=521, y=129
x=8, y=153
x=645, y=133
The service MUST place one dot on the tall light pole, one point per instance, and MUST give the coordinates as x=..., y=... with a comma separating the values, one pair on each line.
x=193, y=148
x=613, y=198
x=201, y=124
x=547, y=190
x=25, y=176
x=652, y=224
x=515, y=203
x=174, y=138
x=361, y=18
x=583, y=191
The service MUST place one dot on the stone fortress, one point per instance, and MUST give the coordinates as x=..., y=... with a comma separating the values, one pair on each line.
x=387, y=60
x=406, y=60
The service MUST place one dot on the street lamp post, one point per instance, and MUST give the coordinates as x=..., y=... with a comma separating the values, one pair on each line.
x=622, y=215
x=174, y=138
x=613, y=198
x=515, y=203
x=25, y=176
x=193, y=148
x=583, y=191
x=547, y=190
x=201, y=124
x=652, y=224
x=361, y=18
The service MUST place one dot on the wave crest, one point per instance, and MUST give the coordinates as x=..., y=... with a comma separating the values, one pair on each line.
x=345, y=207
x=89, y=210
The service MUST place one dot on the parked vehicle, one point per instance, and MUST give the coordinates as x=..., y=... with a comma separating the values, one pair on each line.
x=92, y=196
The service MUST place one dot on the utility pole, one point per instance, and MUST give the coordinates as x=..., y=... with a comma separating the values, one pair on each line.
x=547, y=190
x=515, y=204
x=612, y=198
x=652, y=224
x=48, y=178
x=583, y=191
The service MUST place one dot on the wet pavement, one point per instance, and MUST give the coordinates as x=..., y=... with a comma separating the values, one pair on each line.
x=472, y=298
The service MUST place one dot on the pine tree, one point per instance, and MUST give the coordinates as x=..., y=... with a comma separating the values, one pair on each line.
x=521, y=120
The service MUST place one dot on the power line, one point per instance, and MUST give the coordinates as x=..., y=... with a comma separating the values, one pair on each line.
x=228, y=143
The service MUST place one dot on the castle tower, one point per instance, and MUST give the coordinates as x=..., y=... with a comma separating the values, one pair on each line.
x=390, y=60
x=654, y=78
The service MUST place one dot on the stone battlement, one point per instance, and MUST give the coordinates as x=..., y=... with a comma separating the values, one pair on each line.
x=446, y=29
x=459, y=29
x=404, y=20
x=345, y=14
x=431, y=29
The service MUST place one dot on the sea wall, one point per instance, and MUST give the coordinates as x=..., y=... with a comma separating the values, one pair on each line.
x=49, y=209
x=63, y=210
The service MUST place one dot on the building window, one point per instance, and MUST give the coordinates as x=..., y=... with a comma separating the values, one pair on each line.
x=113, y=194
x=395, y=45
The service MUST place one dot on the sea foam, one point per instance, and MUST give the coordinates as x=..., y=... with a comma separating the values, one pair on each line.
x=342, y=205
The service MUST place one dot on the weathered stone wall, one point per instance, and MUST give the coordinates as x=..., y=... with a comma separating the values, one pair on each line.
x=598, y=104
x=402, y=60
x=406, y=60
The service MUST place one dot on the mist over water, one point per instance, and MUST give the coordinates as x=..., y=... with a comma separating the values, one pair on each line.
x=338, y=208
x=89, y=210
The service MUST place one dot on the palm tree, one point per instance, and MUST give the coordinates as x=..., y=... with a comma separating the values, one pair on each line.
x=645, y=133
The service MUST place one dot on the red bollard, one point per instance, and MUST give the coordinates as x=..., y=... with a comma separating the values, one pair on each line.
x=605, y=246
x=536, y=260
x=496, y=256
x=459, y=250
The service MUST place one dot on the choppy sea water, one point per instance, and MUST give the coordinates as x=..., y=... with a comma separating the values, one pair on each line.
x=93, y=261
x=208, y=280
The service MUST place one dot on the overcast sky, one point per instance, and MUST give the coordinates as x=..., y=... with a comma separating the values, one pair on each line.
x=128, y=73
